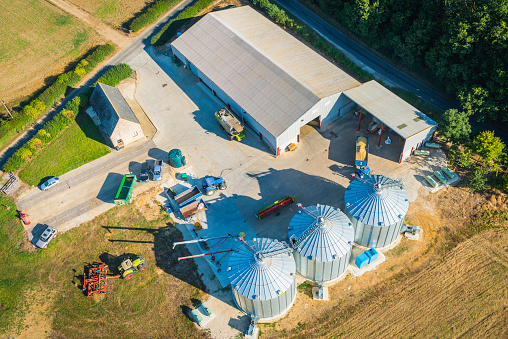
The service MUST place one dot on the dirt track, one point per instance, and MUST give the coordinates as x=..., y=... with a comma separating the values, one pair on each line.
x=104, y=30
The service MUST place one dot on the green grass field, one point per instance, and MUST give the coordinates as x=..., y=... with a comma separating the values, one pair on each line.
x=41, y=291
x=113, y=12
x=38, y=40
x=79, y=144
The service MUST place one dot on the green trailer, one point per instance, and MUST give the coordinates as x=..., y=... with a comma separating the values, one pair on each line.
x=124, y=194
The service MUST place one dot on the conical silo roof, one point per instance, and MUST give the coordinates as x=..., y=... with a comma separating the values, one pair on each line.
x=376, y=200
x=330, y=240
x=265, y=276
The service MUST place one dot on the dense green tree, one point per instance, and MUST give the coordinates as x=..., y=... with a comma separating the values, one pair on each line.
x=488, y=146
x=462, y=43
x=454, y=125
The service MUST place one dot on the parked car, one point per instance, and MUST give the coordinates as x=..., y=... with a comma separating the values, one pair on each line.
x=50, y=183
x=145, y=170
x=46, y=236
x=157, y=171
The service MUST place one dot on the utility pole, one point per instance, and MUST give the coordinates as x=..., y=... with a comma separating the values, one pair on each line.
x=7, y=109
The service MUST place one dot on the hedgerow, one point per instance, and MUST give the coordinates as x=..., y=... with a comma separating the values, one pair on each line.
x=152, y=14
x=53, y=93
x=50, y=130
x=115, y=74
x=172, y=27
x=63, y=119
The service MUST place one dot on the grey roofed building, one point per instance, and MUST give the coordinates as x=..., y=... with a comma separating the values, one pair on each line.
x=271, y=75
x=400, y=116
x=110, y=106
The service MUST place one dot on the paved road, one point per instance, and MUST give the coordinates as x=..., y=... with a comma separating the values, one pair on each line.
x=364, y=56
x=374, y=64
x=126, y=54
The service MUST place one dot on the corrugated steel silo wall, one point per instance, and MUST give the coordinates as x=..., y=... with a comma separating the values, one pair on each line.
x=321, y=271
x=374, y=236
x=266, y=308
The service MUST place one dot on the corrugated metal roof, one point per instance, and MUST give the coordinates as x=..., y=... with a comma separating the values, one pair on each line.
x=329, y=241
x=274, y=77
x=401, y=117
x=261, y=279
x=376, y=207
x=115, y=101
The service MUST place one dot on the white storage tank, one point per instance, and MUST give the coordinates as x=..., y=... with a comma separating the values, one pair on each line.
x=262, y=275
x=377, y=207
x=322, y=237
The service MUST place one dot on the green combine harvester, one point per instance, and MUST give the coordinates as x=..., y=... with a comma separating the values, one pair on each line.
x=230, y=124
x=124, y=194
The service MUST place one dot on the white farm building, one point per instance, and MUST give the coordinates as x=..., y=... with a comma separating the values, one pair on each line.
x=275, y=83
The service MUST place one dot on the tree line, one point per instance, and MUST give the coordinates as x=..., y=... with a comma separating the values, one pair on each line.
x=461, y=43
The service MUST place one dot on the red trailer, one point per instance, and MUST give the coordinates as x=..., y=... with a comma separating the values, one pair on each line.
x=275, y=206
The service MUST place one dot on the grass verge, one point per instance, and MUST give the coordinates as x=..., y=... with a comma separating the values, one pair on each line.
x=77, y=145
x=148, y=306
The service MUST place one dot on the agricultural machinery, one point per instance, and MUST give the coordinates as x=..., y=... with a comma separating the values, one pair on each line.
x=211, y=184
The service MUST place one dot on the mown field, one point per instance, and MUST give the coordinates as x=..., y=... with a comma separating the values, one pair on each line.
x=38, y=41
x=113, y=12
x=77, y=145
x=40, y=291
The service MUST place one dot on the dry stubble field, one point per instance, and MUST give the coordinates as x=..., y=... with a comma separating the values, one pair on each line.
x=112, y=12
x=38, y=41
x=452, y=284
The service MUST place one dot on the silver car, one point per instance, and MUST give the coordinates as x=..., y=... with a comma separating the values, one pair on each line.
x=157, y=171
x=46, y=236
x=50, y=183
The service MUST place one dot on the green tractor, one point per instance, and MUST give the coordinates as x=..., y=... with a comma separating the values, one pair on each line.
x=128, y=267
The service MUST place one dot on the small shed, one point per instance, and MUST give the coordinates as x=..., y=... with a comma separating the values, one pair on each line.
x=118, y=121
x=413, y=126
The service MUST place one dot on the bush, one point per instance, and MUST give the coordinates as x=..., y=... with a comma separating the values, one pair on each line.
x=172, y=27
x=488, y=146
x=152, y=14
x=24, y=153
x=115, y=74
x=34, y=144
x=478, y=181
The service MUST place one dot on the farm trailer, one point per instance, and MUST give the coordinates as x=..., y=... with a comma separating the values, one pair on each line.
x=124, y=194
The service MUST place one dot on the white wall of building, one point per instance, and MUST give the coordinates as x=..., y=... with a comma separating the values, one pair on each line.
x=327, y=109
x=416, y=141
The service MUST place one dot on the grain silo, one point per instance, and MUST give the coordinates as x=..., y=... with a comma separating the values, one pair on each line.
x=262, y=275
x=376, y=206
x=322, y=237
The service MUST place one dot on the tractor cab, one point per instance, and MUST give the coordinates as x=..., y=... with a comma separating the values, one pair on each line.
x=211, y=184
x=129, y=267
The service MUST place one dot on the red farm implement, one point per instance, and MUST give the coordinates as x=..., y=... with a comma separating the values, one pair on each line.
x=95, y=278
x=274, y=207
